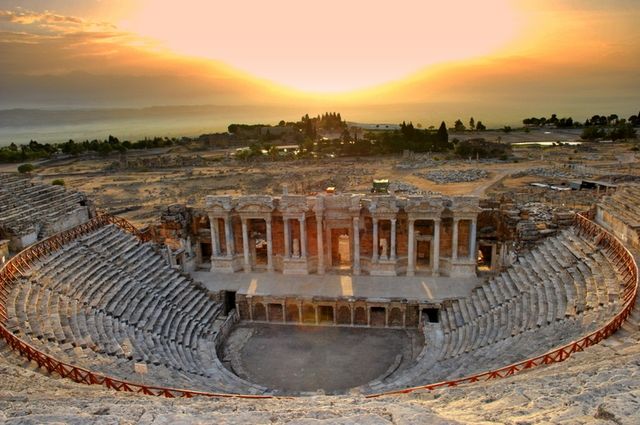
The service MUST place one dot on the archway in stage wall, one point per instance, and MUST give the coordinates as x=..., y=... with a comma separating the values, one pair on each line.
x=344, y=315
x=293, y=313
x=378, y=317
x=325, y=314
x=395, y=317
x=360, y=316
x=205, y=251
x=485, y=257
x=308, y=313
x=259, y=312
x=275, y=312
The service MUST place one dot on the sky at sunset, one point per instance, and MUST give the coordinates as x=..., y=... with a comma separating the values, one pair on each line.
x=382, y=61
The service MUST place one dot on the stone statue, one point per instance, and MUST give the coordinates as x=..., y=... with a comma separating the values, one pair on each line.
x=296, y=248
x=383, y=248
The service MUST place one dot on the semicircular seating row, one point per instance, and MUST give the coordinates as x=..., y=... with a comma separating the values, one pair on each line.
x=24, y=204
x=562, y=289
x=107, y=301
x=621, y=208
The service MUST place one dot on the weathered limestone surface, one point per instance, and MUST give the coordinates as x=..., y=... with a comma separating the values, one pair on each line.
x=32, y=211
x=619, y=213
x=598, y=385
x=106, y=301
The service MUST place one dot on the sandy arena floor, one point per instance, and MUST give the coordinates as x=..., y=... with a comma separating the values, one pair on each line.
x=311, y=358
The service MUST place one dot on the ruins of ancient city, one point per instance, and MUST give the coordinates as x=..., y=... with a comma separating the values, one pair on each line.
x=376, y=291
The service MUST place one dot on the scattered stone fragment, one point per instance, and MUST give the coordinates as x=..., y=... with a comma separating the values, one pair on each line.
x=454, y=176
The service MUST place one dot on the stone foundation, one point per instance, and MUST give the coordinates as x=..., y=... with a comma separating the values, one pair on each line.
x=383, y=313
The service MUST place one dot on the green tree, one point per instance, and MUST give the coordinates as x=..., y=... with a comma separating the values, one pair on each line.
x=459, y=126
x=592, y=133
x=472, y=123
x=480, y=126
x=26, y=168
x=622, y=131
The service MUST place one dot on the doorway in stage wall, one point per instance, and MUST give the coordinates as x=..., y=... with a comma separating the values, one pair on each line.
x=229, y=301
x=485, y=257
x=258, y=243
x=423, y=254
x=205, y=251
x=341, y=255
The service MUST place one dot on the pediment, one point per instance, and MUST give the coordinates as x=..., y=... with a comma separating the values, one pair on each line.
x=383, y=205
x=219, y=203
x=427, y=205
x=255, y=204
x=293, y=204
x=465, y=205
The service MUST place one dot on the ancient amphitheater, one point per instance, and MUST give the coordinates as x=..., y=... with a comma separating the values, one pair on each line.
x=156, y=312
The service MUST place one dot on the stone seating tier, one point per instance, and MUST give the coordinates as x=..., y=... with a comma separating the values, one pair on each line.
x=24, y=205
x=564, y=288
x=107, y=301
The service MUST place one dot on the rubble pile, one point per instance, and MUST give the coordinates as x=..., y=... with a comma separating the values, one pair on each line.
x=541, y=172
x=408, y=189
x=416, y=164
x=563, y=218
x=547, y=214
x=454, y=176
x=527, y=231
x=161, y=161
x=174, y=221
x=554, y=172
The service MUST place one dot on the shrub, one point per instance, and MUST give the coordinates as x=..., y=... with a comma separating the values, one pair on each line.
x=58, y=182
x=26, y=168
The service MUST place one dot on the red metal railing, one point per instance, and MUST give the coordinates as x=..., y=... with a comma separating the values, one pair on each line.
x=626, y=264
x=621, y=257
x=21, y=262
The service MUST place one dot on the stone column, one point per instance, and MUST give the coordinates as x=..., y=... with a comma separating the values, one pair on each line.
x=228, y=235
x=404, y=315
x=392, y=254
x=356, y=245
x=269, y=246
x=329, y=247
x=473, y=255
x=303, y=238
x=374, y=256
x=454, y=240
x=411, y=261
x=319, y=238
x=287, y=239
x=436, y=248
x=215, y=237
x=245, y=245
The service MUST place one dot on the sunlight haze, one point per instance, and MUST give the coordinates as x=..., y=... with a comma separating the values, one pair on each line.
x=424, y=61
